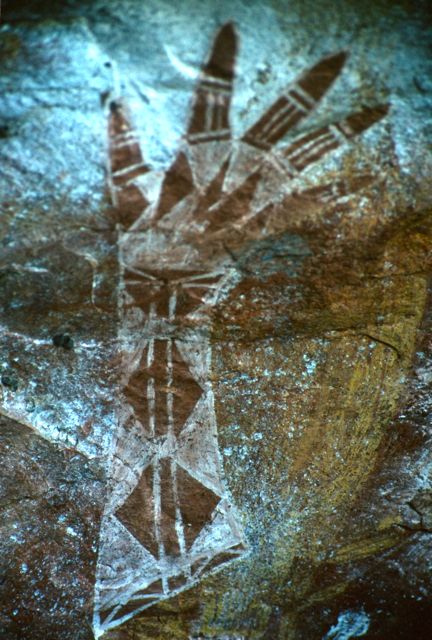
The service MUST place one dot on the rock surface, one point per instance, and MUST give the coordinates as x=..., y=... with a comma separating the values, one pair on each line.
x=307, y=477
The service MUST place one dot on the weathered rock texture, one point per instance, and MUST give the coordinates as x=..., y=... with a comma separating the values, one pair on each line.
x=216, y=320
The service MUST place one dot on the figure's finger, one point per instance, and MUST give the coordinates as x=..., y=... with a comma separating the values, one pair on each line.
x=234, y=207
x=126, y=164
x=210, y=112
x=177, y=184
x=278, y=216
x=300, y=99
x=332, y=191
x=212, y=194
x=311, y=147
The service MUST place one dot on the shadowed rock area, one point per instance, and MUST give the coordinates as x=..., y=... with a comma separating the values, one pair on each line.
x=215, y=320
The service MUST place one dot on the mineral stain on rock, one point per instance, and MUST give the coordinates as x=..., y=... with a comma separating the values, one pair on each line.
x=10, y=381
x=319, y=328
x=63, y=340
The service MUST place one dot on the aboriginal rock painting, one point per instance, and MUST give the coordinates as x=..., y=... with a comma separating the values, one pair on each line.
x=169, y=520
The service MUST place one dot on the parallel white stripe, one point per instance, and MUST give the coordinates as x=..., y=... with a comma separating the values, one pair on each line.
x=281, y=124
x=210, y=106
x=151, y=391
x=179, y=525
x=209, y=134
x=283, y=165
x=170, y=397
x=151, y=403
x=200, y=286
x=158, y=511
x=306, y=97
x=124, y=135
x=342, y=131
x=296, y=154
x=126, y=170
x=207, y=78
x=172, y=306
x=316, y=149
x=275, y=121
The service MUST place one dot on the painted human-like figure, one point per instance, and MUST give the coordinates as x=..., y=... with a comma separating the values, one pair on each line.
x=169, y=519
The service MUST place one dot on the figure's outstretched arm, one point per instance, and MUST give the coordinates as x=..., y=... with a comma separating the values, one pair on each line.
x=276, y=217
x=331, y=192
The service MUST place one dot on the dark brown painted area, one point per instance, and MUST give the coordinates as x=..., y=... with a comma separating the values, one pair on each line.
x=177, y=184
x=137, y=513
x=197, y=504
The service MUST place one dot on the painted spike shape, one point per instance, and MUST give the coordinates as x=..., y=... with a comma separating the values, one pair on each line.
x=169, y=520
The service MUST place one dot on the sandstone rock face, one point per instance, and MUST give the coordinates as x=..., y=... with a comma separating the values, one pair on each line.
x=215, y=321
